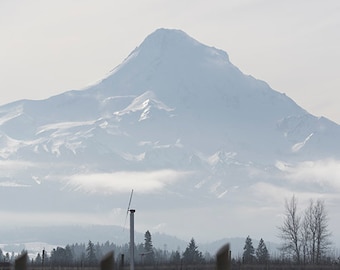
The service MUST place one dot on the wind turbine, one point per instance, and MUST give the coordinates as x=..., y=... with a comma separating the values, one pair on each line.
x=132, y=232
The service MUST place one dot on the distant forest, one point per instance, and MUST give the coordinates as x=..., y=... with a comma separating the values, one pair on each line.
x=304, y=234
x=147, y=257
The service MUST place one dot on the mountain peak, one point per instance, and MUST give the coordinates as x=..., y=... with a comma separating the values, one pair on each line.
x=168, y=58
x=169, y=37
x=177, y=42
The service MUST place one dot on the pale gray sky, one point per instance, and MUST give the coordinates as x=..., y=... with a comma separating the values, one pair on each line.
x=51, y=46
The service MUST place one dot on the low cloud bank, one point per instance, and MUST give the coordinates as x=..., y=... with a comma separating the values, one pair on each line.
x=324, y=173
x=122, y=182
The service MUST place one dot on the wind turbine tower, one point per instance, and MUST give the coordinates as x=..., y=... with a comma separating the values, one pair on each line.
x=132, y=239
x=132, y=232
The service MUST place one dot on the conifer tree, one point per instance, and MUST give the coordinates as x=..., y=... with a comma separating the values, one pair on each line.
x=262, y=253
x=175, y=257
x=91, y=257
x=248, y=251
x=192, y=255
x=149, y=254
x=38, y=259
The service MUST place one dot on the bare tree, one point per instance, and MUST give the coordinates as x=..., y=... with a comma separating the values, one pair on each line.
x=316, y=232
x=306, y=236
x=290, y=230
x=306, y=240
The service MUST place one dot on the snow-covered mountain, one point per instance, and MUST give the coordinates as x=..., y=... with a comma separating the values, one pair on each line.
x=200, y=143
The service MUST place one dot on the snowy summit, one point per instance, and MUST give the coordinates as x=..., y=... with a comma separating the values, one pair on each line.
x=198, y=141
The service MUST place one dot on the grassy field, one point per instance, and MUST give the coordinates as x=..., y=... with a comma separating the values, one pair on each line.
x=199, y=267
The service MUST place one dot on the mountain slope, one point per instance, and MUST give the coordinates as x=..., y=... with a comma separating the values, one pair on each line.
x=177, y=122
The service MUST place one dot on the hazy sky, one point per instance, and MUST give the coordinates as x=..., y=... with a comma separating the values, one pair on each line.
x=49, y=47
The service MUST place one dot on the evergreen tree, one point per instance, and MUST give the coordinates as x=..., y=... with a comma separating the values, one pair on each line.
x=91, y=258
x=262, y=253
x=191, y=255
x=59, y=257
x=99, y=253
x=149, y=256
x=38, y=260
x=249, y=251
x=7, y=258
x=68, y=255
x=175, y=257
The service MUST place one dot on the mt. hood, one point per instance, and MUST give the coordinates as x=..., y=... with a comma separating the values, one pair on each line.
x=209, y=151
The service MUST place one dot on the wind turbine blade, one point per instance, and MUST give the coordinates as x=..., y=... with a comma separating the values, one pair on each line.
x=130, y=200
x=128, y=208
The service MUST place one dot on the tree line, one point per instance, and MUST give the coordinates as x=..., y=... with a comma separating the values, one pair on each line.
x=90, y=254
x=305, y=240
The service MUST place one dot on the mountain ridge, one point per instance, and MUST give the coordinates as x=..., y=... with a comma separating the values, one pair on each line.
x=178, y=123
